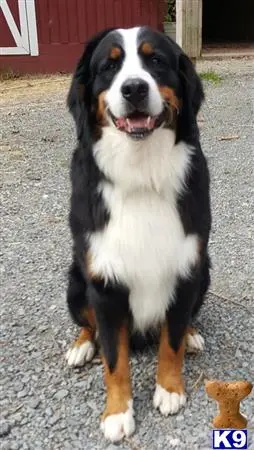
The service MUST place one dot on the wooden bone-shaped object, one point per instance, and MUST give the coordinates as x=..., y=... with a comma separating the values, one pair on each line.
x=228, y=395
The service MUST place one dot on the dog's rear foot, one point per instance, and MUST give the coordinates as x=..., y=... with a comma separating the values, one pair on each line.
x=78, y=355
x=82, y=350
x=194, y=341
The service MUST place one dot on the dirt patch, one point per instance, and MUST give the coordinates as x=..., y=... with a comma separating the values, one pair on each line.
x=32, y=88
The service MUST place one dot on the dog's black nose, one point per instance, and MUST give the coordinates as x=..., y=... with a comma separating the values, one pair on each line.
x=135, y=90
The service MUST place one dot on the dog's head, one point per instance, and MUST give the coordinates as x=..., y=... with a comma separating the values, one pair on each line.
x=135, y=80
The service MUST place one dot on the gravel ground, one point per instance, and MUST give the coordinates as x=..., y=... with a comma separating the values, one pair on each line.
x=45, y=405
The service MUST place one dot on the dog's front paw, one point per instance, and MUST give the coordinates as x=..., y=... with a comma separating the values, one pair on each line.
x=78, y=355
x=117, y=426
x=168, y=402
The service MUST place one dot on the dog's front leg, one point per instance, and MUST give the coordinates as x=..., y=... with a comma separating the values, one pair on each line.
x=117, y=420
x=169, y=395
x=111, y=308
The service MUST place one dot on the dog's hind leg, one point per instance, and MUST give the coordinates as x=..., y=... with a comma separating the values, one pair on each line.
x=83, y=349
x=194, y=341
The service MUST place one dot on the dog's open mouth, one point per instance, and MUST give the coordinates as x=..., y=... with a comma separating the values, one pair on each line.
x=138, y=125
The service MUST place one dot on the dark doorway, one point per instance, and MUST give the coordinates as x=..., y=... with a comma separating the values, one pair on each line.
x=228, y=21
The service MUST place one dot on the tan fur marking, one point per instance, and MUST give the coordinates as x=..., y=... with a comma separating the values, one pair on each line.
x=100, y=114
x=147, y=48
x=115, y=53
x=118, y=383
x=169, y=373
x=170, y=97
x=87, y=333
x=200, y=246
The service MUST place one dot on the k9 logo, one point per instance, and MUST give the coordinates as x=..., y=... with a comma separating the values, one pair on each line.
x=230, y=439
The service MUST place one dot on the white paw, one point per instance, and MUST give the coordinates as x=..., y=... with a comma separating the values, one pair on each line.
x=194, y=343
x=78, y=355
x=117, y=426
x=168, y=402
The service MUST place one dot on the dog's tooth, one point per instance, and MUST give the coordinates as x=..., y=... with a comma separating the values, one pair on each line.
x=129, y=127
x=149, y=123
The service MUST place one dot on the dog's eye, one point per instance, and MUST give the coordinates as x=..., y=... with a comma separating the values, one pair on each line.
x=110, y=65
x=155, y=60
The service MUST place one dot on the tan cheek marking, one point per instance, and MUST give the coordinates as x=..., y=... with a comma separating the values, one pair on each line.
x=118, y=382
x=115, y=53
x=101, y=109
x=169, y=372
x=170, y=97
x=147, y=49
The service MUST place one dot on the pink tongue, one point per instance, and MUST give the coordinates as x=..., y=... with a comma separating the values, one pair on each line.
x=134, y=123
x=140, y=122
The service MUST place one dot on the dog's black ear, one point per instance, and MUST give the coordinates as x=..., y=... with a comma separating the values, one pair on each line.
x=193, y=94
x=79, y=96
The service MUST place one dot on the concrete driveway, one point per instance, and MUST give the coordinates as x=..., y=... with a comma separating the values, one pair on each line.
x=44, y=404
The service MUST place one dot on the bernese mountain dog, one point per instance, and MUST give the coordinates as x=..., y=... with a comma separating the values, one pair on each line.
x=140, y=213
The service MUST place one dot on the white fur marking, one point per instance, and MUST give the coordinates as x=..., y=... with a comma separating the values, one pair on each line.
x=144, y=244
x=117, y=426
x=168, y=402
x=78, y=355
x=194, y=343
x=132, y=68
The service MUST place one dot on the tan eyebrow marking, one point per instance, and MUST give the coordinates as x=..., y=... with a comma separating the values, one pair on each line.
x=146, y=48
x=115, y=53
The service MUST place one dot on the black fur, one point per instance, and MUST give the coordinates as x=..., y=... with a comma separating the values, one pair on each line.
x=88, y=212
x=80, y=95
x=111, y=307
x=192, y=96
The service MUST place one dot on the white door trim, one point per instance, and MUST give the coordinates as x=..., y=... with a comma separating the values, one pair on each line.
x=26, y=39
x=32, y=27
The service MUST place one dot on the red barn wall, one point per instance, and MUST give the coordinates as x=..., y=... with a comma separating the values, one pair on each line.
x=64, y=25
x=6, y=38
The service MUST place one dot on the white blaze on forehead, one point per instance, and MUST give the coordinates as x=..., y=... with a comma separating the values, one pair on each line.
x=132, y=63
x=132, y=68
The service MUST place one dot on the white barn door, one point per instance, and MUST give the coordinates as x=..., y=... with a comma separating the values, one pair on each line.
x=25, y=38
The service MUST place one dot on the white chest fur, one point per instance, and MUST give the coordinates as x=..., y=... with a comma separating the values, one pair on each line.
x=144, y=244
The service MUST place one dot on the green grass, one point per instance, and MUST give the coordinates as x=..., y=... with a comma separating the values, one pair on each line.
x=211, y=76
